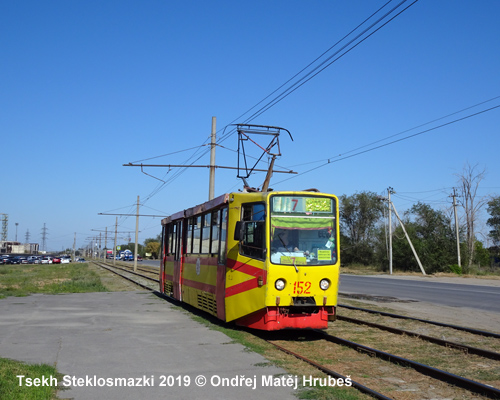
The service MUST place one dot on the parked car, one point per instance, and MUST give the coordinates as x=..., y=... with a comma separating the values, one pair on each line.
x=46, y=260
x=56, y=260
x=65, y=260
x=80, y=260
x=5, y=259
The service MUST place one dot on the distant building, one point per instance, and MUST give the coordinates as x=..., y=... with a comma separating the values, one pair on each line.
x=18, y=248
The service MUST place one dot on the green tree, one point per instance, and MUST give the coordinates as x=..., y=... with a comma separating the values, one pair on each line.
x=359, y=215
x=432, y=236
x=153, y=248
x=494, y=220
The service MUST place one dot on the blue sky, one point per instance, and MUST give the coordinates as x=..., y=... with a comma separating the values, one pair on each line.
x=88, y=86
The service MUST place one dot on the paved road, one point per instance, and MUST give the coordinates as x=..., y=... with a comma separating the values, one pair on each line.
x=152, y=263
x=479, y=295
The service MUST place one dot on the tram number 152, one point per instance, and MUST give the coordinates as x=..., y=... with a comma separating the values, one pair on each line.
x=302, y=287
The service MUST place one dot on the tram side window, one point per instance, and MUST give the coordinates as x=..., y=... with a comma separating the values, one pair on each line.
x=215, y=218
x=196, y=234
x=165, y=240
x=189, y=235
x=173, y=237
x=223, y=237
x=205, y=234
x=253, y=243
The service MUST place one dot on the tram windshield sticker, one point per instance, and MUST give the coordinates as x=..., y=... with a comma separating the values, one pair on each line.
x=324, y=255
x=293, y=260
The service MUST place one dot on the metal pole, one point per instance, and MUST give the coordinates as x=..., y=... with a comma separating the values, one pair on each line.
x=211, y=187
x=136, y=235
x=456, y=227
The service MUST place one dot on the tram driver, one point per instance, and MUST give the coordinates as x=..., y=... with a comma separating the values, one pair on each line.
x=284, y=240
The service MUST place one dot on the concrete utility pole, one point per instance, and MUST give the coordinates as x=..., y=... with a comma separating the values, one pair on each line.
x=456, y=226
x=74, y=248
x=211, y=187
x=390, y=191
x=114, y=247
x=106, y=240
x=136, y=235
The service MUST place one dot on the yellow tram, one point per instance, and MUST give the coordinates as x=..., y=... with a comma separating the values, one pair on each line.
x=264, y=260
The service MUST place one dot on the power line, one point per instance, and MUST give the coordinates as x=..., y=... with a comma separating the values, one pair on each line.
x=310, y=75
x=306, y=78
x=329, y=161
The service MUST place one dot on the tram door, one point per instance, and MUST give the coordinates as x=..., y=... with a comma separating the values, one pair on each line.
x=178, y=249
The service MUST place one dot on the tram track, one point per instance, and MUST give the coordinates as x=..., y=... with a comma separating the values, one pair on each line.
x=438, y=374
x=133, y=279
x=441, y=324
x=441, y=342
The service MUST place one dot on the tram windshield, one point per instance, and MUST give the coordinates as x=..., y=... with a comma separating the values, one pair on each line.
x=303, y=230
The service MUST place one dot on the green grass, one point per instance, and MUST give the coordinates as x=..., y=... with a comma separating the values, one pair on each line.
x=23, y=280
x=9, y=382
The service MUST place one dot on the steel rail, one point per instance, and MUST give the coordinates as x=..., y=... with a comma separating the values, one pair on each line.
x=334, y=374
x=456, y=380
x=126, y=269
x=441, y=342
x=126, y=277
x=461, y=328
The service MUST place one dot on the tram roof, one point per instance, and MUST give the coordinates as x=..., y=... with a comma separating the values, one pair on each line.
x=200, y=208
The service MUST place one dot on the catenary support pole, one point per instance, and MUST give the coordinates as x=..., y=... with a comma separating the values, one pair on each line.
x=136, y=235
x=114, y=247
x=211, y=188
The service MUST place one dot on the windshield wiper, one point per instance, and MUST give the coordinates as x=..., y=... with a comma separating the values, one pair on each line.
x=287, y=249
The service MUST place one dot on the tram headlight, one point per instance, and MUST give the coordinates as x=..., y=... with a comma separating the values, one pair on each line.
x=279, y=284
x=324, y=284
